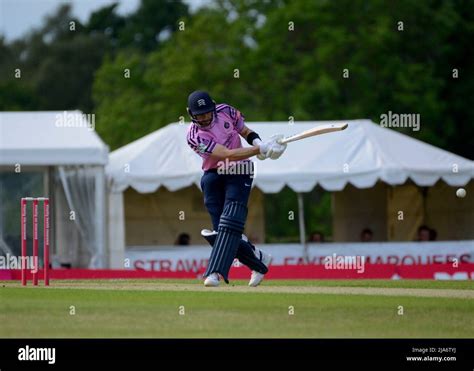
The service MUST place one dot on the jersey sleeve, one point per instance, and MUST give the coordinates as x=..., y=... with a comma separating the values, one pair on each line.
x=238, y=119
x=201, y=143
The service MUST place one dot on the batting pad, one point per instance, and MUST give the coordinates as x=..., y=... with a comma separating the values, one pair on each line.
x=228, y=238
x=245, y=254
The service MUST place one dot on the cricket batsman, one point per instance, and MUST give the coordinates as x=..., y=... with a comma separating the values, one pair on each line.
x=214, y=134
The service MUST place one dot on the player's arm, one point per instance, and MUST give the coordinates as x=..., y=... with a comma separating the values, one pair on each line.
x=221, y=152
x=254, y=140
x=250, y=136
x=245, y=132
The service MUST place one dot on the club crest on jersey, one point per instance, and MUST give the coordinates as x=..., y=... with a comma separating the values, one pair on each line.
x=226, y=125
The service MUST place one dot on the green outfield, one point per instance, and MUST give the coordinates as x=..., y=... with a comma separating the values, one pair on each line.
x=184, y=308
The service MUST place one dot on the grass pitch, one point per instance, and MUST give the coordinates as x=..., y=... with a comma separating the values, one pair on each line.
x=277, y=309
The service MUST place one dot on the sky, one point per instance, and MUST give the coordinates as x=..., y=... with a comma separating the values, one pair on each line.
x=17, y=17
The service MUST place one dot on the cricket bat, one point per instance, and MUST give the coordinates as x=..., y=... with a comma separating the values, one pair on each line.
x=318, y=130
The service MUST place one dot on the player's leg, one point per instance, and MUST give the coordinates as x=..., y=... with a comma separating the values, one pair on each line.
x=264, y=259
x=247, y=254
x=213, y=188
x=225, y=247
x=238, y=188
x=231, y=226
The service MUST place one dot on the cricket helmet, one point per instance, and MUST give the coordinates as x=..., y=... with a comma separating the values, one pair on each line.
x=199, y=103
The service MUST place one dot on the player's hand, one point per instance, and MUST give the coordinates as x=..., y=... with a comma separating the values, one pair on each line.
x=276, y=149
x=264, y=147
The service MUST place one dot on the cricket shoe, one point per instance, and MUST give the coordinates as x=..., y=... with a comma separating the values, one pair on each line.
x=212, y=280
x=257, y=277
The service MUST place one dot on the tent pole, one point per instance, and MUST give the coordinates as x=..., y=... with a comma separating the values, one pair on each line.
x=100, y=217
x=302, y=226
x=425, y=196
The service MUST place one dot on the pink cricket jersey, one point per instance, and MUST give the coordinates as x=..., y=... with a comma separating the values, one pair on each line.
x=224, y=129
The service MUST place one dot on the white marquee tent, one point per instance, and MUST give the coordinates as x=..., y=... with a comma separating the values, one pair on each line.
x=362, y=155
x=49, y=138
x=64, y=146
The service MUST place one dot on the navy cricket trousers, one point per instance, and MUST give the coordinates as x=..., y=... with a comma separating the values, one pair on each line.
x=219, y=189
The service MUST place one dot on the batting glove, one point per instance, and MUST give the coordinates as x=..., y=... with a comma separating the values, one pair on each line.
x=264, y=147
x=276, y=149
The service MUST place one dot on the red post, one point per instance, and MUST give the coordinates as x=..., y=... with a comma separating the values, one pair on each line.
x=23, y=241
x=35, y=242
x=46, y=241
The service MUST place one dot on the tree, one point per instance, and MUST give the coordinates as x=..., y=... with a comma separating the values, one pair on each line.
x=57, y=64
x=126, y=109
x=58, y=61
x=153, y=20
x=200, y=56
